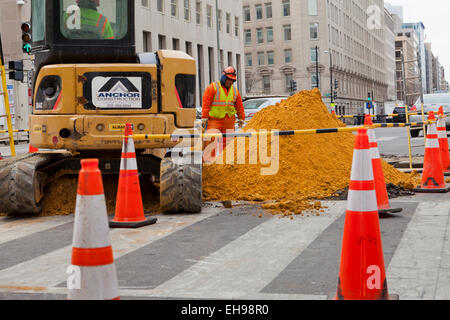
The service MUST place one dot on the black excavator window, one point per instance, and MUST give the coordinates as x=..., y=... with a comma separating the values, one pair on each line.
x=185, y=90
x=38, y=19
x=94, y=19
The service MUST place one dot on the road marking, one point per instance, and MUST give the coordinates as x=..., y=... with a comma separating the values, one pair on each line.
x=50, y=269
x=241, y=269
x=420, y=266
x=24, y=227
x=384, y=139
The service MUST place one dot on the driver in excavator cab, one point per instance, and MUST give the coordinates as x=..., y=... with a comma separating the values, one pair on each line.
x=90, y=20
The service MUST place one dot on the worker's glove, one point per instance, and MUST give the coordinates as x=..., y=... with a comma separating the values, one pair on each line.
x=241, y=123
x=204, y=124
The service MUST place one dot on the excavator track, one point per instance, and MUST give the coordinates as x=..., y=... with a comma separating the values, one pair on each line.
x=21, y=184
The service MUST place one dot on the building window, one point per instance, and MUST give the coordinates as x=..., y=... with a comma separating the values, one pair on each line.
x=268, y=10
x=270, y=58
x=269, y=33
x=144, y=3
x=312, y=7
x=288, y=56
x=160, y=5
x=260, y=58
x=259, y=35
x=248, y=60
x=266, y=84
x=161, y=42
x=286, y=8
x=174, y=8
x=198, y=12
x=188, y=46
x=236, y=26
x=246, y=14
x=287, y=32
x=259, y=12
x=314, y=54
x=187, y=10
x=314, y=31
x=147, y=41
x=209, y=16
x=219, y=20
x=248, y=37
x=175, y=44
x=228, y=21
x=314, y=81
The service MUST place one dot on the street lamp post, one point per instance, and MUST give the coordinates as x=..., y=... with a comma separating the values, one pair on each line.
x=331, y=76
x=317, y=67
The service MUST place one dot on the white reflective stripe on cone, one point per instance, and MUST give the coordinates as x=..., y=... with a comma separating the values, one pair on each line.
x=432, y=129
x=442, y=133
x=362, y=201
x=432, y=144
x=91, y=229
x=362, y=165
x=96, y=283
x=129, y=147
x=371, y=134
x=128, y=164
x=372, y=139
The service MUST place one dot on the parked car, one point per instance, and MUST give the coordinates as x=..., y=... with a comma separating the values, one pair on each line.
x=253, y=105
x=431, y=102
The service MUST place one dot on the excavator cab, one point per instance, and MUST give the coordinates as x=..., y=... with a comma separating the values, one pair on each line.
x=83, y=31
x=89, y=82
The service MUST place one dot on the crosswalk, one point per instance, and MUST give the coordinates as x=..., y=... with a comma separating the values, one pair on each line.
x=233, y=254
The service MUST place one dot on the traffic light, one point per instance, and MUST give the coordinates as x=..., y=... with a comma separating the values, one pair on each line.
x=335, y=95
x=336, y=84
x=369, y=97
x=26, y=37
x=294, y=85
x=16, y=70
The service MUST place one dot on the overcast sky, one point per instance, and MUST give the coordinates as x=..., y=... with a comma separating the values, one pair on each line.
x=435, y=15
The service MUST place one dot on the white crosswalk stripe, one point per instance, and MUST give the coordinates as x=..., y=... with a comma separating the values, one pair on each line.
x=49, y=270
x=248, y=263
x=420, y=267
x=24, y=227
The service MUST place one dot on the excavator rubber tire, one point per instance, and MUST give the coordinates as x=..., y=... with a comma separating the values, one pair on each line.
x=180, y=187
x=21, y=185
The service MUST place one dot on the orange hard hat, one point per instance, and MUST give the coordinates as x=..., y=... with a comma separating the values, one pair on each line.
x=230, y=73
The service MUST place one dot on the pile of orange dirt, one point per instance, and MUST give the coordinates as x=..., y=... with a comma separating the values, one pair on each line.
x=60, y=196
x=311, y=167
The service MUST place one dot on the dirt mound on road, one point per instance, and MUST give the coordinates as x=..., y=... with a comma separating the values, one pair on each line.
x=61, y=195
x=311, y=167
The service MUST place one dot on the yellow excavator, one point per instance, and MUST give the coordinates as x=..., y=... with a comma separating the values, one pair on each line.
x=89, y=82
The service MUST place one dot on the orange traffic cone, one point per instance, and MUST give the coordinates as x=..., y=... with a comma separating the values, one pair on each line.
x=362, y=273
x=129, y=208
x=32, y=149
x=380, y=183
x=443, y=142
x=433, y=180
x=92, y=253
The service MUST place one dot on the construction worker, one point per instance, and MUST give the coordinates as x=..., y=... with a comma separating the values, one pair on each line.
x=92, y=22
x=221, y=102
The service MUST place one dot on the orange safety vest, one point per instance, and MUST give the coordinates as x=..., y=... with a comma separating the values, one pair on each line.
x=223, y=104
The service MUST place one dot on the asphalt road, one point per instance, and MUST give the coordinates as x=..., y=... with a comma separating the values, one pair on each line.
x=394, y=141
x=234, y=254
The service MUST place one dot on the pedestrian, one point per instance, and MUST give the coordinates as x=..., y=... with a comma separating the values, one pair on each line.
x=221, y=102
